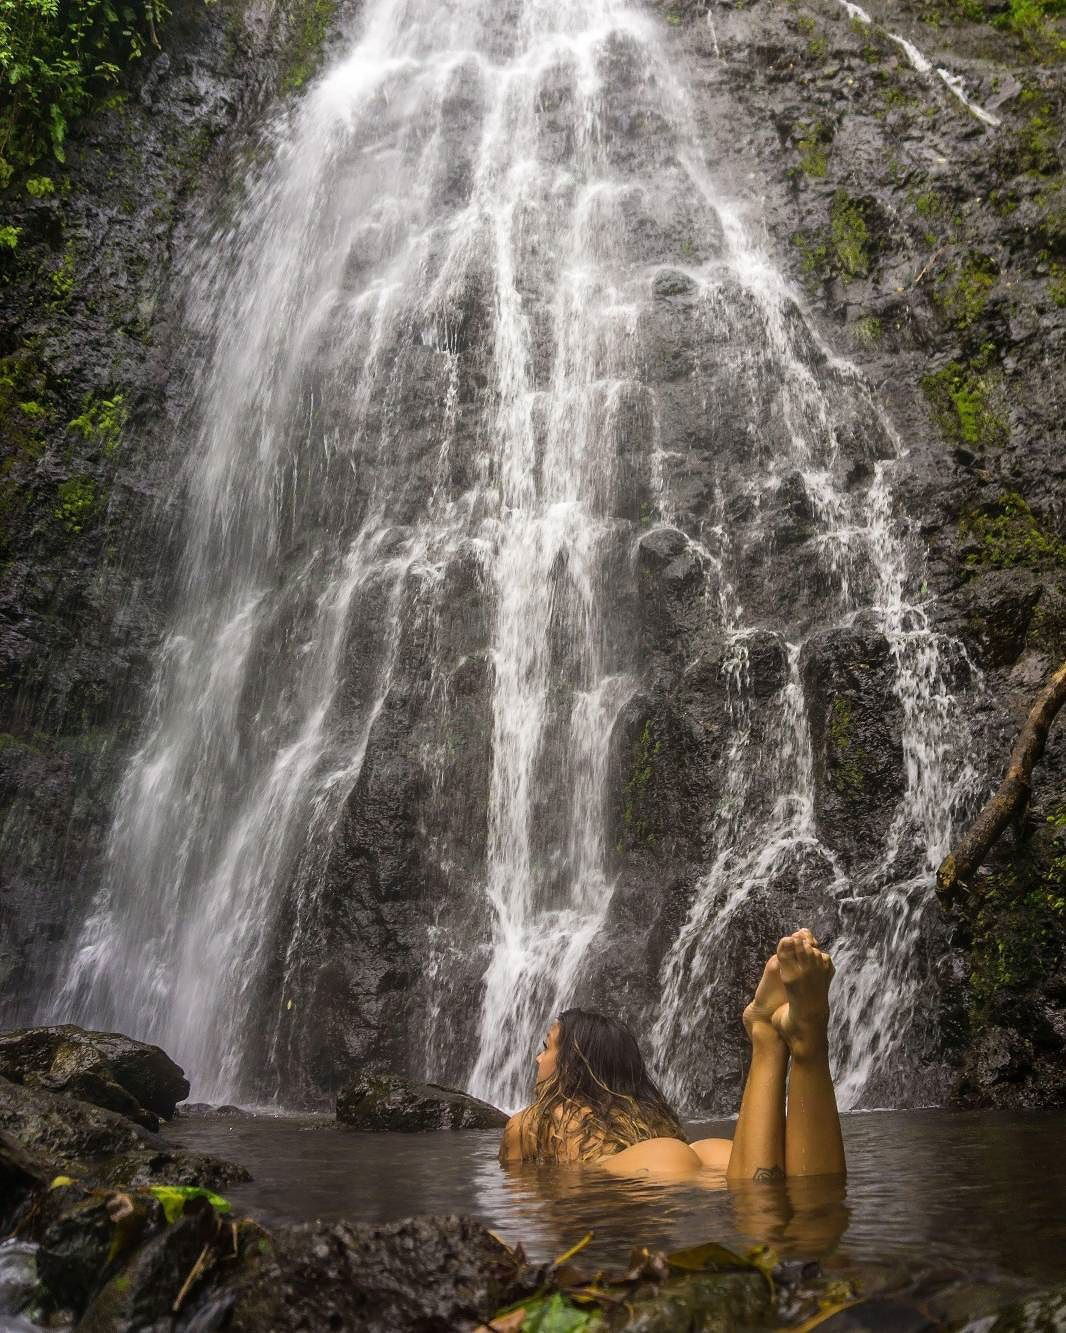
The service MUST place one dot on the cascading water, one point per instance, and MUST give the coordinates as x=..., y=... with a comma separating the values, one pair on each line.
x=429, y=373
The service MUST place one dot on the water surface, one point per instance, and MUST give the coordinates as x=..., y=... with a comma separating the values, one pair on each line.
x=938, y=1193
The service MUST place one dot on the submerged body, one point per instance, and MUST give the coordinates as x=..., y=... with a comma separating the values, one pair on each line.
x=597, y=1105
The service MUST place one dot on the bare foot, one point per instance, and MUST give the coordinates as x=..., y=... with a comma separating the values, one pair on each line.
x=805, y=972
x=769, y=997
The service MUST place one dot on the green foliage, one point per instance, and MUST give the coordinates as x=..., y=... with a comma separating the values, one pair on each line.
x=311, y=24
x=961, y=399
x=9, y=237
x=850, y=236
x=63, y=275
x=77, y=500
x=174, y=1197
x=38, y=186
x=1007, y=535
x=56, y=59
x=102, y=421
x=962, y=291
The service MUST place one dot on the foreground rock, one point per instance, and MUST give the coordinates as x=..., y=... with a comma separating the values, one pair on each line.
x=104, y=1068
x=100, y=1146
x=386, y=1102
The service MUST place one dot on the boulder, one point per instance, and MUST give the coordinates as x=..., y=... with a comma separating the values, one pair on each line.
x=22, y=1175
x=386, y=1102
x=427, y=1273
x=105, y=1068
x=101, y=1146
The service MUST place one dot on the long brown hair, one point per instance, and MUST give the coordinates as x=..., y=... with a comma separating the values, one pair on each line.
x=599, y=1100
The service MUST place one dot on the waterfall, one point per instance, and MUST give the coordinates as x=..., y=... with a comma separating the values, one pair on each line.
x=428, y=361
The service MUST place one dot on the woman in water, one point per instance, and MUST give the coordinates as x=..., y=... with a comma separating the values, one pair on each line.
x=595, y=1102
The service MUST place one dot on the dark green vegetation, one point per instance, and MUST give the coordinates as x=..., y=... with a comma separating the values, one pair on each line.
x=963, y=399
x=57, y=61
x=1006, y=534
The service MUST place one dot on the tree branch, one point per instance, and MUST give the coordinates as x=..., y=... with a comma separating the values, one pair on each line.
x=1011, y=797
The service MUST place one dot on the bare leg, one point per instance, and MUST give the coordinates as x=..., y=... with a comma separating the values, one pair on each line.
x=813, y=1144
x=758, y=1151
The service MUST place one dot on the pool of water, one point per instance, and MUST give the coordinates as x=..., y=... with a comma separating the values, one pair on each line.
x=974, y=1194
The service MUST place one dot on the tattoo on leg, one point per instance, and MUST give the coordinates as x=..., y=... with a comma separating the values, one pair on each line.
x=768, y=1173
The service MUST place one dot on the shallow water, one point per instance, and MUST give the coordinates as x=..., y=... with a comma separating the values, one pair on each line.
x=977, y=1194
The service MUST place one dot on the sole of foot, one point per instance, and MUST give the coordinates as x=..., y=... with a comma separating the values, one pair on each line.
x=805, y=973
x=768, y=998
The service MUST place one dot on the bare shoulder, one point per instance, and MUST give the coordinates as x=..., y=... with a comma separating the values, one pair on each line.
x=713, y=1153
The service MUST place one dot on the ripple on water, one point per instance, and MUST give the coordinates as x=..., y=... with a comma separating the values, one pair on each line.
x=977, y=1193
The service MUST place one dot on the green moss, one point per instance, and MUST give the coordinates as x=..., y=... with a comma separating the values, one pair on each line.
x=845, y=773
x=962, y=290
x=637, y=819
x=813, y=149
x=1056, y=286
x=1008, y=535
x=928, y=204
x=63, y=276
x=869, y=330
x=102, y=421
x=814, y=253
x=76, y=501
x=311, y=24
x=1047, y=629
x=850, y=236
x=1038, y=138
x=961, y=399
x=1018, y=924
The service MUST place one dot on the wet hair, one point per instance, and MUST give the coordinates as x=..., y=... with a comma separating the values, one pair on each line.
x=599, y=1100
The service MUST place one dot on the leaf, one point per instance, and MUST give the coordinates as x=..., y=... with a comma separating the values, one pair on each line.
x=60, y=1181
x=555, y=1315
x=709, y=1258
x=174, y=1197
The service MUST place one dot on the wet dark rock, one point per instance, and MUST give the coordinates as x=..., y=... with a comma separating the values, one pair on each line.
x=82, y=1246
x=175, y=1166
x=715, y=1301
x=385, y=1102
x=22, y=1175
x=672, y=282
x=205, y=1111
x=65, y=1130
x=435, y=1274
x=1042, y=1313
x=101, y=1146
x=999, y=607
x=849, y=679
x=105, y=1068
x=142, y=1295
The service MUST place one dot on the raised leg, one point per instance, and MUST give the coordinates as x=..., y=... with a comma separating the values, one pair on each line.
x=813, y=1143
x=758, y=1151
